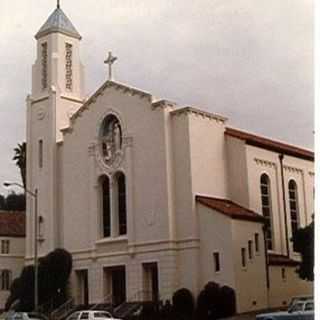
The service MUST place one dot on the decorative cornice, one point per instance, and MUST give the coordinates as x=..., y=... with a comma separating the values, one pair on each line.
x=198, y=112
x=38, y=100
x=72, y=99
x=163, y=104
x=265, y=163
x=292, y=169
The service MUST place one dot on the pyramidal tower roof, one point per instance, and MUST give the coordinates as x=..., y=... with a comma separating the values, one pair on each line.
x=58, y=22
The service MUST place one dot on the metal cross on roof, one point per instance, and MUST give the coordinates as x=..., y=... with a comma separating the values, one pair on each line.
x=110, y=61
x=58, y=4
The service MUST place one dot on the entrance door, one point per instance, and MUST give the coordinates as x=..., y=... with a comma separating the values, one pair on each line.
x=151, y=281
x=118, y=276
x=115, y=284
x=83, y=287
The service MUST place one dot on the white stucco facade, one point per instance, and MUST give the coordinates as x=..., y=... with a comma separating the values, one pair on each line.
x=168, y=155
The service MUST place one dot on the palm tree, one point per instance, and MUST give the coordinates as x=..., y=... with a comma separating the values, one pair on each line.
x=20, y=157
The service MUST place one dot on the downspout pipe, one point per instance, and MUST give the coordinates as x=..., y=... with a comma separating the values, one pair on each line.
x=281, y=156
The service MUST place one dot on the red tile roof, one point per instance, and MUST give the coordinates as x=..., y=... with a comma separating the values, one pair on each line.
x=272, y=145
x=12, y=224
x=230, y=209
x=280, y=260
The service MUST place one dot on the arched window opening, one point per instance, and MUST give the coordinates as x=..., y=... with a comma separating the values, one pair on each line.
x=106, y=208
x=111, y=138
x=266, y=208
x=5, y=280
x=293, y=202
x=122, y=207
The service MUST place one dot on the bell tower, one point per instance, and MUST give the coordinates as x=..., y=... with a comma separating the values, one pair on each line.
x=57, y=92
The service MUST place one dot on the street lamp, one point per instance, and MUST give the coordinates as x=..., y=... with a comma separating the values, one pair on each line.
x=35, y=196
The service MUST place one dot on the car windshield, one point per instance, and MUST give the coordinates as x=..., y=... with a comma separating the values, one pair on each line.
x=84, y=316
x=74, y=316
x=102, y=315
x=296, y=307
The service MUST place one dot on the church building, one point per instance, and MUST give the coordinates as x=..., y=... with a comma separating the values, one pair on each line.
x=150, y=197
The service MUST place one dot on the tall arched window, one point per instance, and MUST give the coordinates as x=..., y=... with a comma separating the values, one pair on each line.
x=293, y=201
x=5, y=279
x=266, y=208
x=106, y=208
x=122, y=207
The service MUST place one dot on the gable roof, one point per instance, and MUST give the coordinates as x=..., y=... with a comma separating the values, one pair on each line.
x=108, y=84
x=12, y=224
x=272, y=145
x=58, y=22
x=230, y=209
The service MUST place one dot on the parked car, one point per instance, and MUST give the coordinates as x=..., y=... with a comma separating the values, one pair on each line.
x=91, y=315
x=12, y=315
x=300, y=310
x=296, y=299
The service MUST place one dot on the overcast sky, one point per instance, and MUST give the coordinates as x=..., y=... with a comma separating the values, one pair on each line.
x=249, y=60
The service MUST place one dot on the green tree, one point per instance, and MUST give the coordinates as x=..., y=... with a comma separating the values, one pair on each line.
x=53, y=280
x=15, y=202
x=20, y=157
x=2, y=202
x=303, y=242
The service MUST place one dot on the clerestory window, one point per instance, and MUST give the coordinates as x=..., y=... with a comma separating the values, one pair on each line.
x=294, y=208
x=266, y=208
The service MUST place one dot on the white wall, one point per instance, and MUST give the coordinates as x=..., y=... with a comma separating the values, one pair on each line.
x=263, y=161
x=282, y=290
x=251, y=288
x=238, y=182
x=215, y=236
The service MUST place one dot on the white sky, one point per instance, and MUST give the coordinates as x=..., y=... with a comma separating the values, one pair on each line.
x=249, y=60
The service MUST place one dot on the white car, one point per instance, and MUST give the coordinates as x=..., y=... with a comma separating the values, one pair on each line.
x=301, y=310
x=296, y=299
x=91, y=315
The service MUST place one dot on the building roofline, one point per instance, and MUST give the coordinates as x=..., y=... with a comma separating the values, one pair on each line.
x=269, y=144
x=56, y=30
x=193, y=110
x=275, y=259
x=230, y=209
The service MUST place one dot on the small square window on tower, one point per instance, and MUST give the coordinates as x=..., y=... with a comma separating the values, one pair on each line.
x=216, y=260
